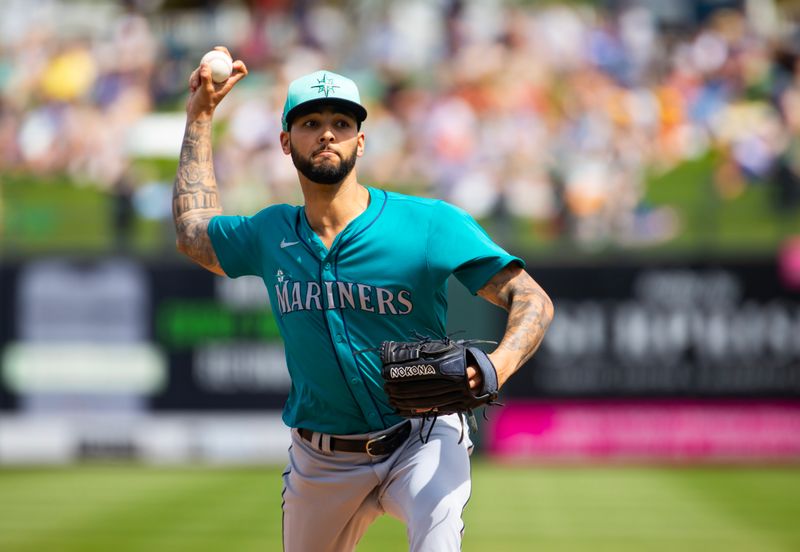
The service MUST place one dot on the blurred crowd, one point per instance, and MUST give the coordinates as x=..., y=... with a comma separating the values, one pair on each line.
x=554, y=114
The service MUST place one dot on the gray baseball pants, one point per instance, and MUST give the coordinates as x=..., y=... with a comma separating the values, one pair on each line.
x=330, y=498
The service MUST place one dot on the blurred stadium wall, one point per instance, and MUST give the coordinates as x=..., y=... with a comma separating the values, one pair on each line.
x=643, y=156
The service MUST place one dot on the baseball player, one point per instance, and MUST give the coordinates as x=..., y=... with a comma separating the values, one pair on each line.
x=351, y=268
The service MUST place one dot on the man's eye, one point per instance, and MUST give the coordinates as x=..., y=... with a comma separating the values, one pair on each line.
x=310, y=124
x=343, y=124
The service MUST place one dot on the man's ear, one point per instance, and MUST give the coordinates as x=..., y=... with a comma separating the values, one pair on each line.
x=360, y=148
x=285, y=142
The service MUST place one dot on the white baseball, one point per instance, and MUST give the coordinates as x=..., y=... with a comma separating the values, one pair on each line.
x=220, y=63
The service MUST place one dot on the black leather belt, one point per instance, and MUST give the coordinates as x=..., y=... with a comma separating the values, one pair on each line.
x=379, y=446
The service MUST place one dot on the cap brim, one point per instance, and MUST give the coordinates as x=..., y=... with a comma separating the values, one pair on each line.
x=312, y=105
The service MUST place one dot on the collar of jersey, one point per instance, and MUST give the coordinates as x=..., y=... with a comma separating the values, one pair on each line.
x=377, y=198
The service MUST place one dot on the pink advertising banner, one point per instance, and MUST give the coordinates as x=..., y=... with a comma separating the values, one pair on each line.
x=636, y=430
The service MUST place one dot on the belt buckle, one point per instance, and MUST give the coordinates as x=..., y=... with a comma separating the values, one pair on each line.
x=371, y=442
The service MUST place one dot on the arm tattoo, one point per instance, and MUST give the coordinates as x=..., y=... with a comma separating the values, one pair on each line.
x=529, y=311
x=194, y=196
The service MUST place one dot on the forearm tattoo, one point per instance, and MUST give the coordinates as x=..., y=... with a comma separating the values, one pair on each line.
x=529, y=311
x=194, y=196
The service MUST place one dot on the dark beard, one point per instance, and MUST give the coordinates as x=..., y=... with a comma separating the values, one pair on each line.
x=323, y=173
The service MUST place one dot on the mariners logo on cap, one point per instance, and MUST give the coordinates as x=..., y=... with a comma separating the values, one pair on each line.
x=325, y=85
x=321, y=87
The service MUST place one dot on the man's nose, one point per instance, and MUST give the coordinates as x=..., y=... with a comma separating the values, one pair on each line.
x=327, y=135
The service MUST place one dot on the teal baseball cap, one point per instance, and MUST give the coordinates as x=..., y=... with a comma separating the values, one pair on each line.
x=321, y=87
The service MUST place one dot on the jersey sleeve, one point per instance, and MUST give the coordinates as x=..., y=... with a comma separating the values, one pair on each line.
x=235, y=241
x=458, y=245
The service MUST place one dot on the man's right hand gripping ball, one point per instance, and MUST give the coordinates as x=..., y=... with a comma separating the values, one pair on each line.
x=204, y=93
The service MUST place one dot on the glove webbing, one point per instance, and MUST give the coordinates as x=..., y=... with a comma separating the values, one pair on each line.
x=425, y=339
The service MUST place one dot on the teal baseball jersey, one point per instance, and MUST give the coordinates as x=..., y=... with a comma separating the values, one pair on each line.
x=383, y=278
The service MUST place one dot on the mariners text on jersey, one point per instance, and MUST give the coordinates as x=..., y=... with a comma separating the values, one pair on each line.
x=299, y=296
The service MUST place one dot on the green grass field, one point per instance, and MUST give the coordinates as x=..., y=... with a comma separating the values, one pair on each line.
x=128, y=508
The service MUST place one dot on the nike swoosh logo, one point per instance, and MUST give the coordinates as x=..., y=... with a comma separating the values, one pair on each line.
x=284, y=243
